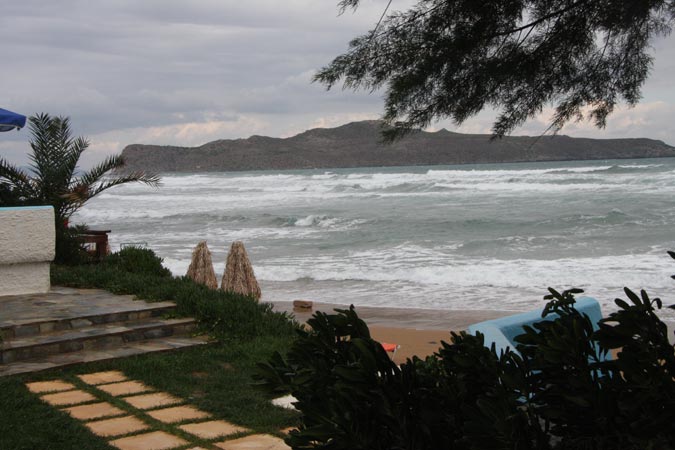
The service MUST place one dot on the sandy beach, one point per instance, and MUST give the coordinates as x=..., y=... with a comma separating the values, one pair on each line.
x=418, y=331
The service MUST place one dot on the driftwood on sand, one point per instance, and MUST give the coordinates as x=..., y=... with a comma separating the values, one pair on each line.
x=201, y=268
x=239, y=277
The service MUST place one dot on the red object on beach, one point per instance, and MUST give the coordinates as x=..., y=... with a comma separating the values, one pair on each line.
x=389, y=347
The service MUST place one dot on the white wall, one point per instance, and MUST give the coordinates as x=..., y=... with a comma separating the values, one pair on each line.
x=27, y=238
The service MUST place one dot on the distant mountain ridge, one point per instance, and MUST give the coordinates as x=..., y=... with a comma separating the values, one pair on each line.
x=358, y=144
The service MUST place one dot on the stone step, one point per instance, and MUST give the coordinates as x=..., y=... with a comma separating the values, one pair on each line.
x=98, y=336
x=84, y=356
x=132, y=310
x=69, y=326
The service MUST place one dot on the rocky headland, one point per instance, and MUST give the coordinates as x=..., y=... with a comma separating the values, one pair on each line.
x=359, y=144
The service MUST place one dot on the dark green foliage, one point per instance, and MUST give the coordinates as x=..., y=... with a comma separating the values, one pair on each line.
x=139, y=272
x=566, y=377
x=645, y=391
x=560, y=394
x=69, y=249
x=137, y=260
x=352, y=396
x=453, y=58
x=347, y=387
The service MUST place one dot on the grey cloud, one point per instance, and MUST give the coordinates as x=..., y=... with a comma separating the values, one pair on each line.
x=148, y=64
x=127, y=64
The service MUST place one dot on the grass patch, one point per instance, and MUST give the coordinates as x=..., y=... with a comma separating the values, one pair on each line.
x=28, y=424
x=139, y=272
x=216, y=378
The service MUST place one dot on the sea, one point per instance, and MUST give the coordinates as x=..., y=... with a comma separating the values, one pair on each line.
x=470, y=237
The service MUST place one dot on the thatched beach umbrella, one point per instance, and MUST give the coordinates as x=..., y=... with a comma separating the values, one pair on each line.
x=201, y=268
x=239, y=277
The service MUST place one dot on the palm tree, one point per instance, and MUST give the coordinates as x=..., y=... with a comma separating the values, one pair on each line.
x=53, y=177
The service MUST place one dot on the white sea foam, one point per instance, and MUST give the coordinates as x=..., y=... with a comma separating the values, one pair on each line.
x=313, y=220
x=648, y=270
x=197, y=194
x=640, y=166
x=442, y=236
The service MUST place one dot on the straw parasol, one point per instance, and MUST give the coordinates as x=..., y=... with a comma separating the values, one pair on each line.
x=201, y=267
x=239, y=277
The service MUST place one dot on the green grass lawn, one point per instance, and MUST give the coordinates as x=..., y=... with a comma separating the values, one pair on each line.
x=215, y=378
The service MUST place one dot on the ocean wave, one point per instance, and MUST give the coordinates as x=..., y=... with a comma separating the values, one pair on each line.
x=507, y=173
x=320, y=221
x=640, y=166
x=625, y=270
x=449, y=237
x=315, y=220
x=198, y=193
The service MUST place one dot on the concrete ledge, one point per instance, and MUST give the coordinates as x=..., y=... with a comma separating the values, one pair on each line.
x=27, y=240
x=27, y=235
x=26, y=278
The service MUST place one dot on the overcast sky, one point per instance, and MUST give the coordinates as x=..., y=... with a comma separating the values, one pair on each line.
x=189, y=72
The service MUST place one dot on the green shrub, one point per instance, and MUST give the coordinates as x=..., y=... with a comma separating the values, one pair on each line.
x=560, y=394
x=137, y=260
x=139, y=272
x=68, y=249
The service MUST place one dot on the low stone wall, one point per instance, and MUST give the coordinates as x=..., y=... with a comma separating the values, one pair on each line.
x=27, y=238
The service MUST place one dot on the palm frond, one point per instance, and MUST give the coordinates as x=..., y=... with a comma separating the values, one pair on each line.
x=71, y=158
x=55, y=157
x=41, y=142
x=97, y=172
x=92, y=183
x=15, y=178
x=53, y=168
x=152, y=180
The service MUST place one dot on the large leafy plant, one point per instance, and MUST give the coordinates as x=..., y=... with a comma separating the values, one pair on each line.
x=560, y=391
x=53, y=177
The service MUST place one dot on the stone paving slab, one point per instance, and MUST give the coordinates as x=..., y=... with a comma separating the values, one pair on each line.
x=212, y=429
x=178, y=414
x=129, y=349
x=116, y=427
x=254, y=442
x=127, y=331
x=49, y=386
x=68, y=398
x=111, y=376
x=62, y=303
x=157, y=440
x=99, y=417
x=150, y=401
x=94, y=411
x=124, y=388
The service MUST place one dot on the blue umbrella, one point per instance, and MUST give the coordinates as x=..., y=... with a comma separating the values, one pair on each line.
x=10, y=120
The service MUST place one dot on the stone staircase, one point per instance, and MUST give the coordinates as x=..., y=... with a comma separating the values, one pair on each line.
x=70, y=326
